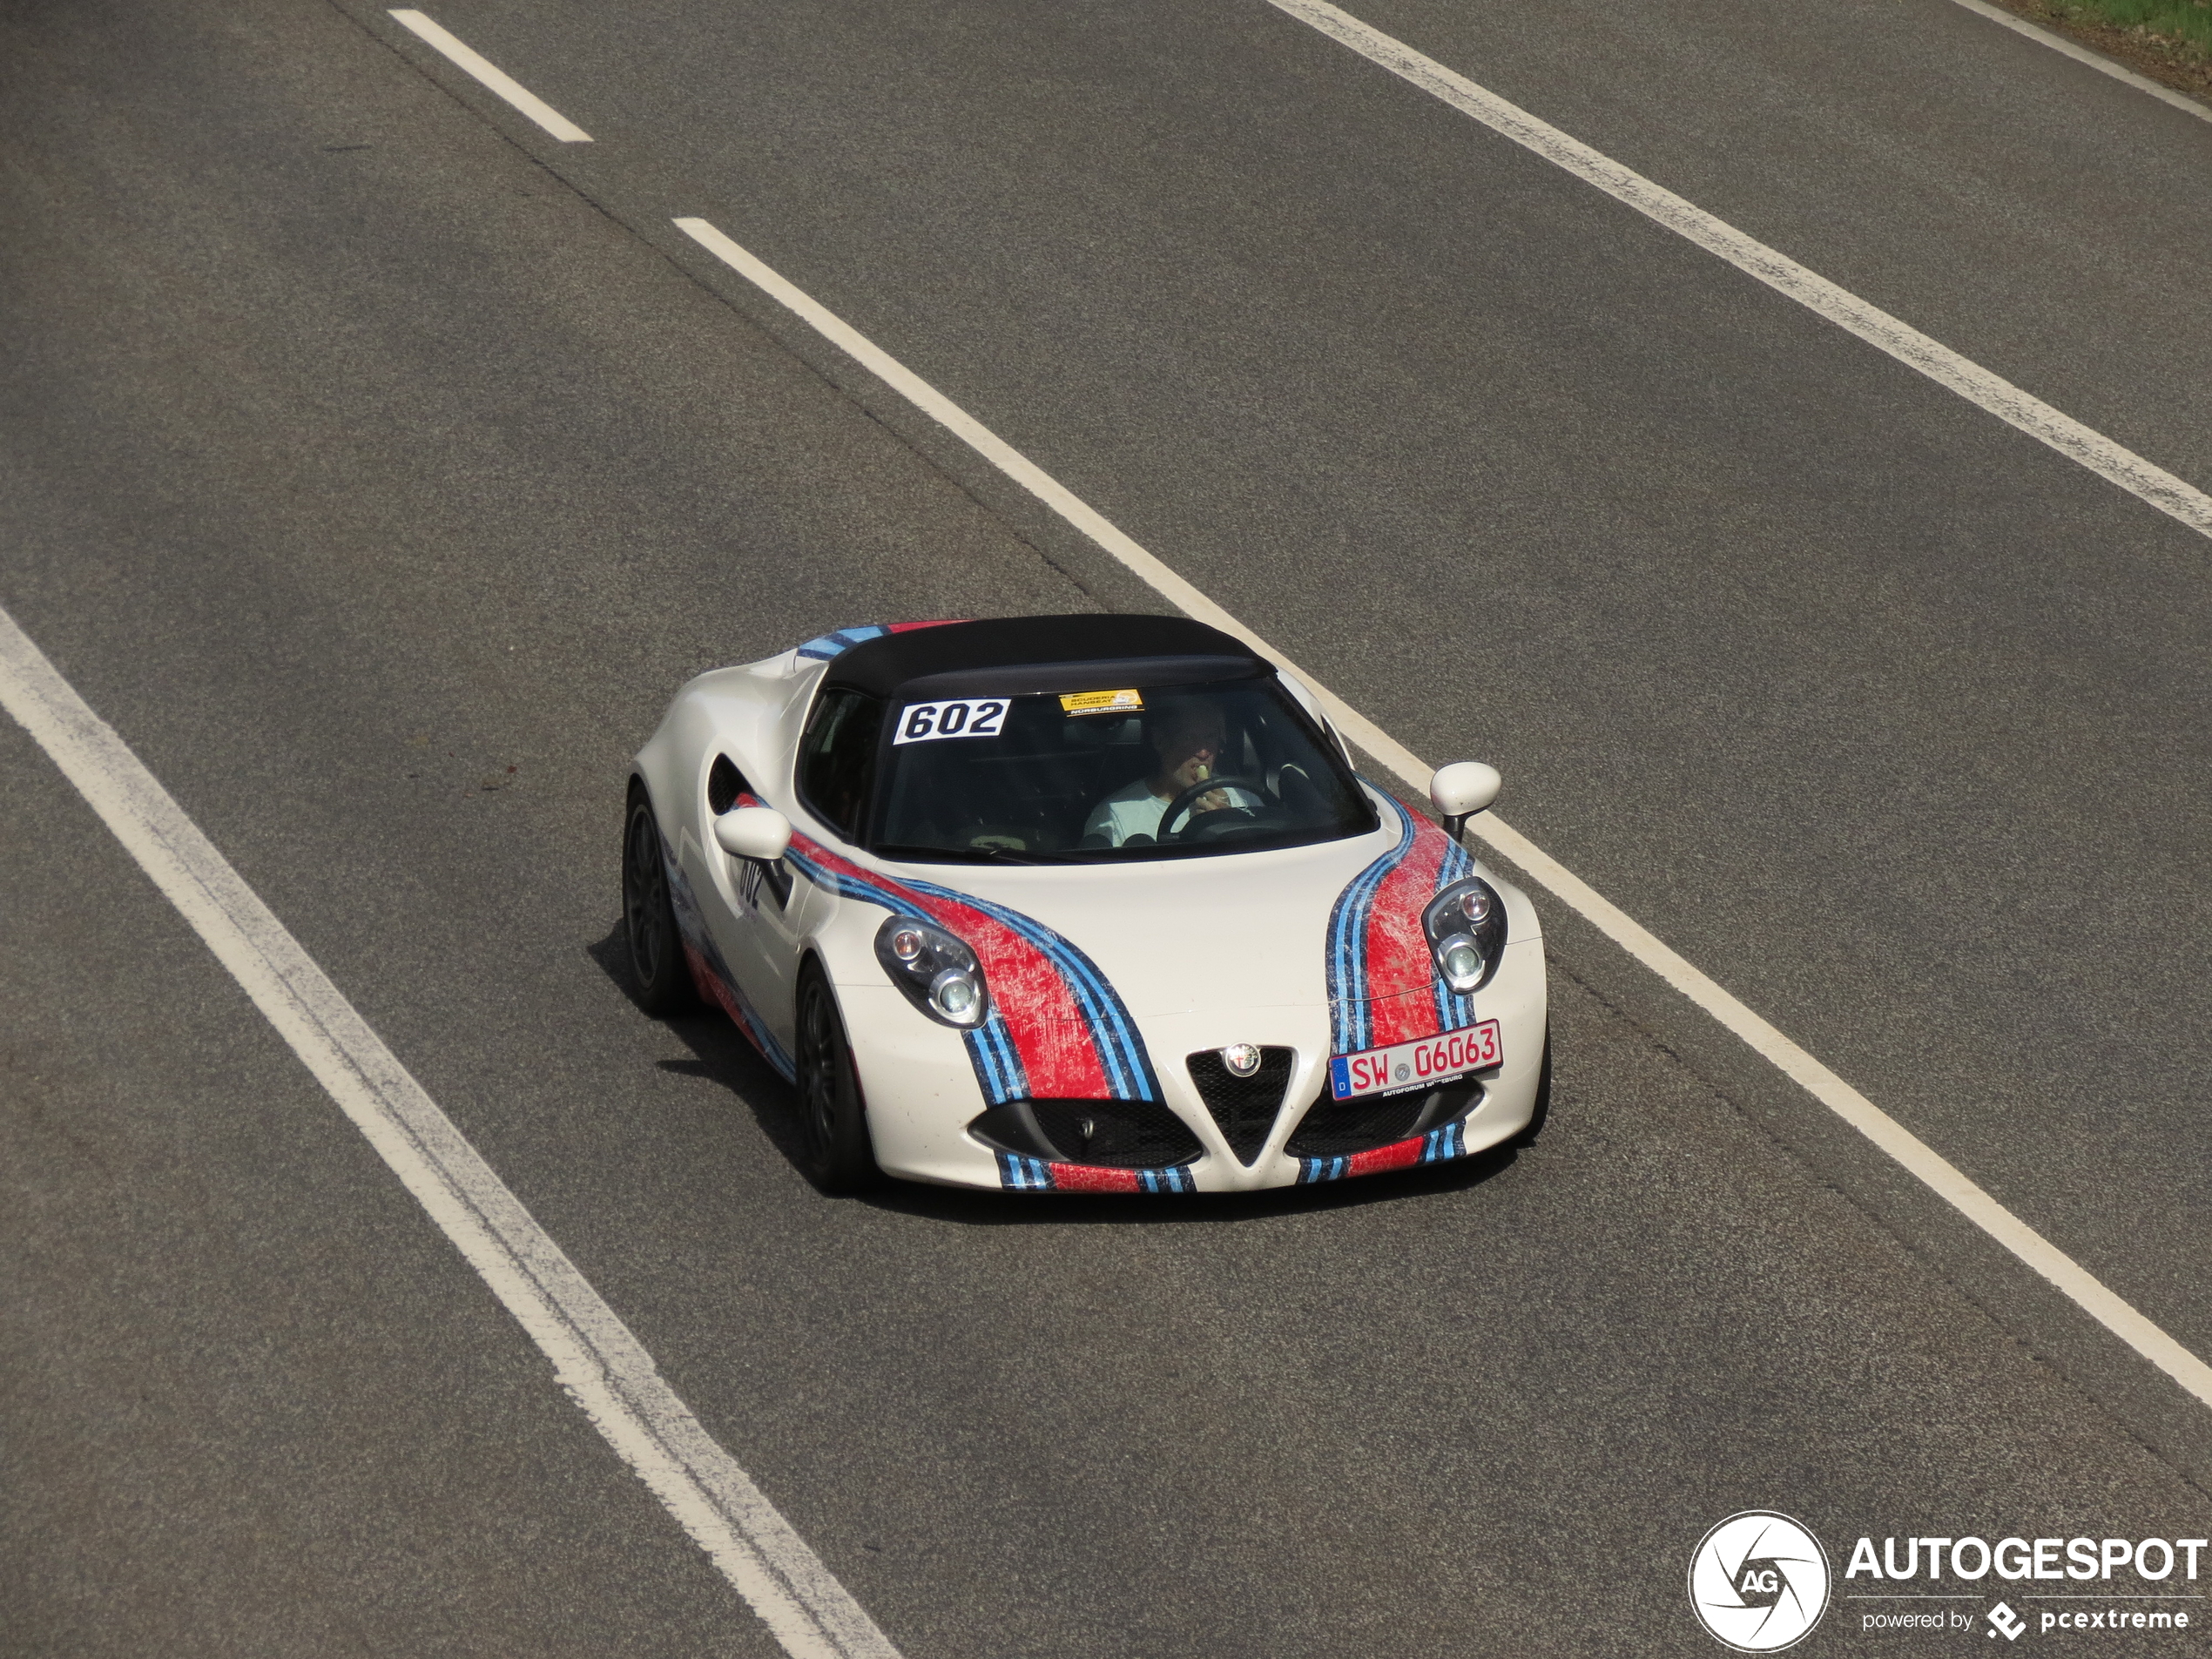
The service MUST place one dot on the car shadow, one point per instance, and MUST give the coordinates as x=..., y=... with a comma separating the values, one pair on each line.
x=964, y=1207
x=721, y=1054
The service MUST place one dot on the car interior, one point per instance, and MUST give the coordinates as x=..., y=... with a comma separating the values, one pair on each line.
x=1031, y=788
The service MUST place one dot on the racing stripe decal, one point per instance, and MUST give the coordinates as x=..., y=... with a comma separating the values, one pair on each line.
x=1116, y=1053
x=1018, y=1174
x=1056, y=1030
x=1455, y=1010
x=710, y=973
x=1383, y=984
x=844, y=639
x=1348, y=945
x=1435, y=1147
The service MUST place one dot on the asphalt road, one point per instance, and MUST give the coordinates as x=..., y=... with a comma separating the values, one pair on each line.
x=379, y=468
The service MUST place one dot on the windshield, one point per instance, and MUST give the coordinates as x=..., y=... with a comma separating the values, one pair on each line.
x=1128, y=772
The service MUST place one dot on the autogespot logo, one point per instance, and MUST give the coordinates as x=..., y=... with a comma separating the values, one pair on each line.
x=1759, y=1581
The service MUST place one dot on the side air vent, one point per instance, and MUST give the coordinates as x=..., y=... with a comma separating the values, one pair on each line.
x=725, y=783
x=1244, y=1107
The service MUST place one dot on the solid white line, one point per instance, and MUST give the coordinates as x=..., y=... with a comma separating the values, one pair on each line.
x=1785, y=276
x=1929, y=1166
x=2097, y=61
x=494, y=77
x=596, y=1359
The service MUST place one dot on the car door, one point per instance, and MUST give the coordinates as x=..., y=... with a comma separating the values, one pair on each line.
x=769, y=920
x=751, y=925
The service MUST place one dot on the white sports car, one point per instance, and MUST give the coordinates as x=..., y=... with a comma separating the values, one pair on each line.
x=1089, y=904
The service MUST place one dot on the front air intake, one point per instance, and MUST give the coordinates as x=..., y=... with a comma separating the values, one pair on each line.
x=1244, y=1108
x=1110, y=1134
x=1338, y=1127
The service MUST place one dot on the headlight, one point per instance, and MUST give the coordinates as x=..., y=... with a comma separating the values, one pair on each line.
x=1465, y=924
x=939, y=974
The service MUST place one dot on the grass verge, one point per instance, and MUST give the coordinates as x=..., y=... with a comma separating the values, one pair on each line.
x=2166, y=41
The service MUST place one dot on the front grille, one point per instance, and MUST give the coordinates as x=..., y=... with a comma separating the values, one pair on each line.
x=1333, y=1129
x=1110, y=1134
x=1244, y=1107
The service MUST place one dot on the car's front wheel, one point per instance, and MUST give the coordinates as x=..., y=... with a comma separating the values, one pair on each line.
x=834, y=1148
x=657, y=964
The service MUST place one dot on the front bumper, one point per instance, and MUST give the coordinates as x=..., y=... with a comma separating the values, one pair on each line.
x=922, y=1095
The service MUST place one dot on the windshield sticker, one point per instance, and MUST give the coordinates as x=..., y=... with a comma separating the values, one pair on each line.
x=961, y=717
x=1102, y=703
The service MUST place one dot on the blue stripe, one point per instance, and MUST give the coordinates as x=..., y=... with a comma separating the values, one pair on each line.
x=1024, y=1175
x=844, y=639
x=997, y=1064
x=860, y=887
x=1113, y=1033
x=998, y=1067
x=691, y=922
x=1453, y=1011
x=1102, y=1010
x=990, y=1046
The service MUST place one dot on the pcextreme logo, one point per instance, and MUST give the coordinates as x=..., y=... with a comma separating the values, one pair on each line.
x=1759, y=1581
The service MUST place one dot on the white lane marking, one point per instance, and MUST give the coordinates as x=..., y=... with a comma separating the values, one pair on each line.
x=1943, y=1178
x=598, y=1362
x=2082, y=55
x=1785, y=276
x=493, y=77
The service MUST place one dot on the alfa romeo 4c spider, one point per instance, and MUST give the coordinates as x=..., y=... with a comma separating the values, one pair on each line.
x=1090, y=904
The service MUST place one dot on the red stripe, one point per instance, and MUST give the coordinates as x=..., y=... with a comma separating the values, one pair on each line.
x=1400, y=1155
x=713, y=989
x=909, y=627
x=1048, y=1029
x=705, y=981
x=1086, y=1177
x=1399, y=959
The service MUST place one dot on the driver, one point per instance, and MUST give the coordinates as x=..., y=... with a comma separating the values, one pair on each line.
x=1188, y=739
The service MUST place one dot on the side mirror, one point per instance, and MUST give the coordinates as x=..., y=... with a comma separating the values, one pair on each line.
x=760, y=832
x=1461, y=790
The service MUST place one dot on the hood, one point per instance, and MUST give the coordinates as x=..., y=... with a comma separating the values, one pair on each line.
x=1239, y=930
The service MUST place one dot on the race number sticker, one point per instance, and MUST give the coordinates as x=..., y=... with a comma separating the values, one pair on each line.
x=976, y=716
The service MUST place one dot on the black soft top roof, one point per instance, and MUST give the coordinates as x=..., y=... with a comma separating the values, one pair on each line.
x=1014, y=654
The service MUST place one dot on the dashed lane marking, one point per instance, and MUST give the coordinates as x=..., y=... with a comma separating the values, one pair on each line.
x=492, y=77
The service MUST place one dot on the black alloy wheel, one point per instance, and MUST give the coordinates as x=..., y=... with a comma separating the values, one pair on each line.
x=657, y=970
x=834, y=1148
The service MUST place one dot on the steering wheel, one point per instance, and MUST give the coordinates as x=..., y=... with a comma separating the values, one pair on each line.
x=1184, y=799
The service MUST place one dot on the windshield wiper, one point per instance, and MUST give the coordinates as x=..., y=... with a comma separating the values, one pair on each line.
x=1008, y=855
x=967, y=854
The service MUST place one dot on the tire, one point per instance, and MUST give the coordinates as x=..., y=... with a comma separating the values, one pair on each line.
x=835, y=1152
x=1543, y=1112
x=657, y=971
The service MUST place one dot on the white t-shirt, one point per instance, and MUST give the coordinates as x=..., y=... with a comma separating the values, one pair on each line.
x=1135, y=810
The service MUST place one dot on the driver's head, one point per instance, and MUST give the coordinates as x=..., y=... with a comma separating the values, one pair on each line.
x=1189, y=738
